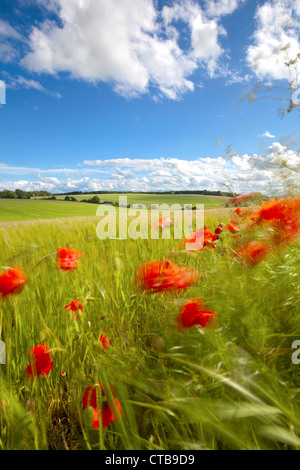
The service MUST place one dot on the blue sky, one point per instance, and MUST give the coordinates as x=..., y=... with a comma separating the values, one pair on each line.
x=145, y=95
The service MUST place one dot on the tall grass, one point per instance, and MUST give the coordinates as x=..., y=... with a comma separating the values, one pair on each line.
x=231, y=387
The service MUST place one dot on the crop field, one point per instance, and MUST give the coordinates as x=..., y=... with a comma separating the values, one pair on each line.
x=33, y=209
x=144, y=345
x=210, y=202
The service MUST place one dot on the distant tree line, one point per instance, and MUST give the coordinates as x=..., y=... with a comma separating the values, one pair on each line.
x=20, y=194
x=203, y=192
x=96, y=200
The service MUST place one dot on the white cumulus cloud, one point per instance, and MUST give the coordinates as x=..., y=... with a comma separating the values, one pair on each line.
x=240, y=173
x=275, y=40
x=8, y=31
x=130, y=44
x=222, y=7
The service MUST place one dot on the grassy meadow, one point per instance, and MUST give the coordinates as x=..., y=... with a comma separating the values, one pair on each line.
x=210, y=202
x=34, y=209
x=233, y=386
x=12, y=210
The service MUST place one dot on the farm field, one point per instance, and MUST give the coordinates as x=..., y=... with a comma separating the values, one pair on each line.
x=230, y=384
x=33, y=209
x=148, y=199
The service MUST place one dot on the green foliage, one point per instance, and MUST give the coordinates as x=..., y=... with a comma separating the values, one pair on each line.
x=6, y=194
x=20, y=194
x=93, y=200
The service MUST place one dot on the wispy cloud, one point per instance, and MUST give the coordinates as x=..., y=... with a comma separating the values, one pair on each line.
x=25, y=170
x=217, y=8
x=268, y=134
x=8, y=36
x=21, y=82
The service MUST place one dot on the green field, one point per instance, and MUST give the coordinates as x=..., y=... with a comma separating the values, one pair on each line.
x=147, y=199
x=32, y=209
x=233, y=386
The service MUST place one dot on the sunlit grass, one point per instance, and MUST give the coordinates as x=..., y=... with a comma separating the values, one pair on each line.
x=231, y=387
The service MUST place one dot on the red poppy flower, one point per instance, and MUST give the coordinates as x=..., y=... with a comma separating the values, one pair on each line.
x=67, y=259
x=74, y=306
x=95, y=397
x=284, y=217
x=209, y=237
x=253, y=252
x=219, y=229
x=12, y=281
x=194, y=312
x=163, y=222
x=200, y=239
x=276, y=209
x=238, y=211
x=105, y=341
x=161, y=275
x=3, y=404
x=40, y=361
x=232, y=226
x=243, y=213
